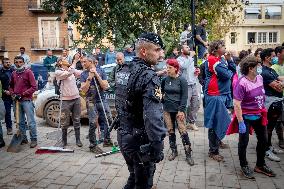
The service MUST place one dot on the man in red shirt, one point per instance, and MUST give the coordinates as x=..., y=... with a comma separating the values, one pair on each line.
x=22, y=87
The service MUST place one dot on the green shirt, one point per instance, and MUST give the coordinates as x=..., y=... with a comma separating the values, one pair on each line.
x=279, y=69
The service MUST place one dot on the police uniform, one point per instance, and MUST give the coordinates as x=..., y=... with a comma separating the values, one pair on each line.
x=139, y=108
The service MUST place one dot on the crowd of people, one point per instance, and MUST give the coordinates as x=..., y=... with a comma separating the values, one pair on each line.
x=242, y=93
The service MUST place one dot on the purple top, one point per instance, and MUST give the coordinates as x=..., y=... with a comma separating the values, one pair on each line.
x=251, y=93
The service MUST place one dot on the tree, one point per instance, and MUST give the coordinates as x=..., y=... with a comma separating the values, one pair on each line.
x=122, y=21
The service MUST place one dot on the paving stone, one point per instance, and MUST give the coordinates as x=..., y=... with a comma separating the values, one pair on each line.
x=44, y=183
x=54, y=186
x=248, y=184
x=85, y=185
x=91, y=178
x=76, y=179
x=213, y=179
x=230, y=181
x=101, y=184
x=61, y=180
x=197, y=181
x=117, y=182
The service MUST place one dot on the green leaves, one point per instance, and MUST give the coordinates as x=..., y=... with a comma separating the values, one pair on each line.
x=122, y=21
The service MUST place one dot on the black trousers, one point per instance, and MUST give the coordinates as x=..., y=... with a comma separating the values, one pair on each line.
x=141, y=174
x=261, y=134
x=274, y=112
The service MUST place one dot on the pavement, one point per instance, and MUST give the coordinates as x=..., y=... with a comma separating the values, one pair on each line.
x=82, y=170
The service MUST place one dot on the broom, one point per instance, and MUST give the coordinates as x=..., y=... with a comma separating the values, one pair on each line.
x=55, y=149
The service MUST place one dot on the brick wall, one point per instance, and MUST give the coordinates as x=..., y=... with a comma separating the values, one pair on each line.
x=19, y=25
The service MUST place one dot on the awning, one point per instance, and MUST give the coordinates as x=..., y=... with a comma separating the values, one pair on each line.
x=252, y=10
x=273, y=11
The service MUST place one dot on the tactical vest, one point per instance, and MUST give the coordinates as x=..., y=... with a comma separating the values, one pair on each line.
x=128, y=93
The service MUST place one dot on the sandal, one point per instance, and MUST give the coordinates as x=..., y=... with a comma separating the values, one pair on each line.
x=217, y=157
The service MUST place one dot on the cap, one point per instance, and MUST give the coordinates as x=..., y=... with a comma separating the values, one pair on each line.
x=152, y=38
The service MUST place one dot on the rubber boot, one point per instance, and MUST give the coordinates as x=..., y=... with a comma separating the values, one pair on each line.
x=173, y=146
x=189, y=158
x=187, y=148
x=64, y=137
x=77, y=136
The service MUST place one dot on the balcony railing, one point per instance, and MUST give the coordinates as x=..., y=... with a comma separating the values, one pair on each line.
x=48, y=43
x=2, y=45
x=36, y=7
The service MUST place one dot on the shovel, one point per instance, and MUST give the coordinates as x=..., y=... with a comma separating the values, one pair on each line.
x=15, y=145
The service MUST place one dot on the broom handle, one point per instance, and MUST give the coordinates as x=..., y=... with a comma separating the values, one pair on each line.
x=17, y=116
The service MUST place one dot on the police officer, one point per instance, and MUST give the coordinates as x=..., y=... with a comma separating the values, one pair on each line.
x=138, y=102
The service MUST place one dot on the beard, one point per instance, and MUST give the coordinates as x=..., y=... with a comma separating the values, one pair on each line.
x=150, y=60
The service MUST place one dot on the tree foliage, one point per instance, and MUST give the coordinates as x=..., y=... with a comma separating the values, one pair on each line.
x=126, y=19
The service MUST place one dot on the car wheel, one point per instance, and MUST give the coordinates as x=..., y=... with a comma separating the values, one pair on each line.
x=51, y=113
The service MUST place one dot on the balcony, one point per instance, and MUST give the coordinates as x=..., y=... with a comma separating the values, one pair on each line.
x=2, y=45
x=36, y=7
x=48, y=43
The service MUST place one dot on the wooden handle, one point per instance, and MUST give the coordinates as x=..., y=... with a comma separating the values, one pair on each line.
x=17, y=114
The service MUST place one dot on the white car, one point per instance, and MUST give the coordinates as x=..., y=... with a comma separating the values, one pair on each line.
x=47, y=102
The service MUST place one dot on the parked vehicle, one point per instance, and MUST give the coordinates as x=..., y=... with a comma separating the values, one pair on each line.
x=47, y=102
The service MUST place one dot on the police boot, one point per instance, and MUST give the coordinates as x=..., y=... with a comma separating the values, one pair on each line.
x=77, y=136
x=173, y=146
x=64, y=137
x=189, y=158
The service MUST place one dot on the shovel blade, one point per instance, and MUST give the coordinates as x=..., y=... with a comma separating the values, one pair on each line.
x=15, y=145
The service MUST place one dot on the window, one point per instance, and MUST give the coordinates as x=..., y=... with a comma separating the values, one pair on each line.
x=48, y=32
x=262, y=37
x=273, y=12
x=233, y=37
x=273, y=37
x=252, y=13
x=251, y=37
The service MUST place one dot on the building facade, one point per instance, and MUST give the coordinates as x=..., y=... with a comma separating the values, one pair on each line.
x=25, y=24
x=261, y=25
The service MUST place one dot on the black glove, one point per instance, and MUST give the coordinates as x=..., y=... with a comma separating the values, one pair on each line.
x=16, y=97
x=156, y=151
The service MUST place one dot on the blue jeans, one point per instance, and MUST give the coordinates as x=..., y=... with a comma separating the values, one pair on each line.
x=201, y=50
x=26, y=108
x=102, y=118
x=8, y=116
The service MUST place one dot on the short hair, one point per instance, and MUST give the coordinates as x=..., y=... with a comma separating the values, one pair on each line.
x=19, y=57
x=5, y=58
x=214, y=45
x=174, y=63
x=119, y=53
x=185, y=26
x=279, y=49
x=22, y=48
x=266, y=53
x=139, y=44
x=247, y=63
x=243, y=54
x=257, y=51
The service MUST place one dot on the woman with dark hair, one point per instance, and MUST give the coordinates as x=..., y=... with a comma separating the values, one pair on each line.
x=250, y=114
x=217, y=97
x=174, y=90
x=77, y=61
